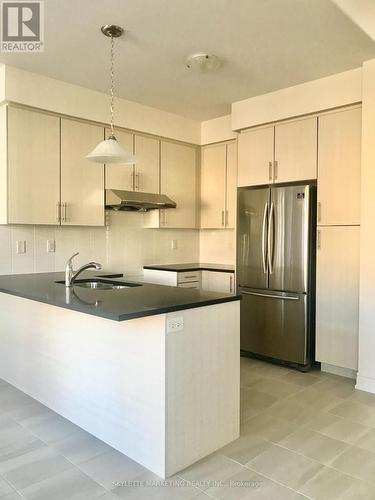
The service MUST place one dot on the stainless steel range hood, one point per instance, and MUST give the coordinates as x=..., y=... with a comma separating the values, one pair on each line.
x=133, y=200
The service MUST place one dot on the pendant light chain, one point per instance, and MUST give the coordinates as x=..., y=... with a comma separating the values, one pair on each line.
x=112, y=85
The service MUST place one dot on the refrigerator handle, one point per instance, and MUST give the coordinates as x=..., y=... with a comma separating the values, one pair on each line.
x=264, y=257
x=283, y=297
x=269, y=241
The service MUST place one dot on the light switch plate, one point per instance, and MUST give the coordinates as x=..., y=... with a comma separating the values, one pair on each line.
x=175, y=324
x=20, y=246
x=174, y=244
x=51, y=246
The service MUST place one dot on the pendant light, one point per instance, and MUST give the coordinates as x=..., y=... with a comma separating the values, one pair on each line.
x=110, y=151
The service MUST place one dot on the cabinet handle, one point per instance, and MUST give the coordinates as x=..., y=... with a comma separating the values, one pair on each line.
x=222, y=218
x=163, y=218
x=318, y=240
x=132, y=180
x=270, y=170
x=226, y=217
x=275, y=170
x=137, y=182
x=58, y=211
x=63, y=215
x=319, y=211
x=231, y=284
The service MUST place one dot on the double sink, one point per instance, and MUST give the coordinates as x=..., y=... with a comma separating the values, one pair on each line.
x=100, y=284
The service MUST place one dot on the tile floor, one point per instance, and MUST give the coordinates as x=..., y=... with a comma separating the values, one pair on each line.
x=302, y=436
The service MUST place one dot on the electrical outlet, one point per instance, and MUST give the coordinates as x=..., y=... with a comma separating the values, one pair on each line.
x=175, y=324
x=20, y=246
x=51, y=246
x=174, y=244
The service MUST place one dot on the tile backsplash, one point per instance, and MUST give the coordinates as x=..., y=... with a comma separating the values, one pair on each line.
x=123, y=245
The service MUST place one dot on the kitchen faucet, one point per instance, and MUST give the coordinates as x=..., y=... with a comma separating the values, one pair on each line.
x=70, y=276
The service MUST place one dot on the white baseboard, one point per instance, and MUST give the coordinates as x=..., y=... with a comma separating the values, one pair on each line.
x=365, y=384
x=339, y=370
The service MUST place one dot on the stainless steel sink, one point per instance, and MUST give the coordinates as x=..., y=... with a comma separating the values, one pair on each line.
x=98, y=284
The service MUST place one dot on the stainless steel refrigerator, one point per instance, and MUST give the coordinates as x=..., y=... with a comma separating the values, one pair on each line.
x=275, y=255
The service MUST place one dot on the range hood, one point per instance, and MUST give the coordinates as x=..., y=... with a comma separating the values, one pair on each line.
x=133, y=200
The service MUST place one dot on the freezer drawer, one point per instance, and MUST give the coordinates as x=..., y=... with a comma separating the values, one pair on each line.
x=274, y=324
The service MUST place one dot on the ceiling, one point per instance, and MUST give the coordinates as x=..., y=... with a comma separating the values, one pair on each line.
x=265, y=45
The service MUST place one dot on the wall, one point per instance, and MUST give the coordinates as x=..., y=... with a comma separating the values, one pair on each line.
x=217, y=130
x=366, y=369
x=61, y=97
x=121, y=246
x=310, y=97
x=217, y=246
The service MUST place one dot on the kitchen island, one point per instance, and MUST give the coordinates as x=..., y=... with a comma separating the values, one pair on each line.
x=151, y=370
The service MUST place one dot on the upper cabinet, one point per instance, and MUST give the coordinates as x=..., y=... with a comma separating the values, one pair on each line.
x=179, y=179
x=144, y=176
x=218, y=186
x=286, y=152
x=82, y=181
x=255, y=156
x=339, y=168
x=32, y=165
x=45, y=176
x=147, y=168
x=296, y=150
x=120, y=176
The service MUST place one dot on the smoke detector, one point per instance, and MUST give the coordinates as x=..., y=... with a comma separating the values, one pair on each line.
x=203, y=63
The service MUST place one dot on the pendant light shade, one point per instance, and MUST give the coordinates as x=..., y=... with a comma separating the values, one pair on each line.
x=110, y=151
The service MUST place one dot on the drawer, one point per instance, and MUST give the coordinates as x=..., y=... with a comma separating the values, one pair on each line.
x=188, y=276
x=190, y=284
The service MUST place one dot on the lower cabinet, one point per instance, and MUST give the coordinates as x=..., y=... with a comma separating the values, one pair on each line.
x=214, y=281
x=211, y=281
x=337, y=296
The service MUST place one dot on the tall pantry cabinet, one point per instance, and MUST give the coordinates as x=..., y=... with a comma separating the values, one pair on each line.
x=338, y=232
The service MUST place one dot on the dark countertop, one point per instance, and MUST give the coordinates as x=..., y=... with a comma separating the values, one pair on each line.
x=223, y=268
x=119, y=305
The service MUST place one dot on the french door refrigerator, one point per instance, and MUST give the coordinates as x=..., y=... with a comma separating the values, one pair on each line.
x=275, y=255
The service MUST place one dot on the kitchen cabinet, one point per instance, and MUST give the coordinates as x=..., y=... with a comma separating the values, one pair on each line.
x=214, y=281
x=255, y=156
x=339, y=167
x=286, y=152
x=144, y=175
x=30, y=166
x=147, y=168
x=337, y=296
x=182, y=279
x=296, y=145
x=120, y=176
x=218, y=186
x=82, y=181
x=179, y=181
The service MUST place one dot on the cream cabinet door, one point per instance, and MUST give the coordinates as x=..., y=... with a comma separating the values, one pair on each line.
x=231, y=185
x=213, y=186
x=214, y=281
x=339, y=168
x=337, y=296
x=255, y=156
x=179, y=182
x=147, y=168
x=120, y=176
x=33, y=167
x=296, y=150
x=82, y=181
